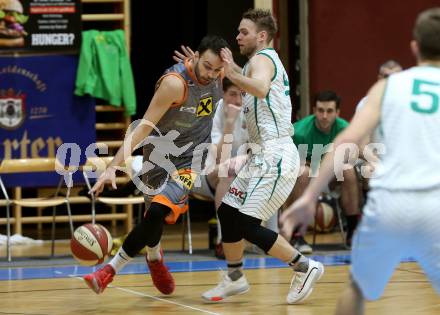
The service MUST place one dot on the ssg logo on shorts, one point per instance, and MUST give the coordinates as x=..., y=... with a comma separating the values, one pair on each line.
x=205, y=107
x=185, y=177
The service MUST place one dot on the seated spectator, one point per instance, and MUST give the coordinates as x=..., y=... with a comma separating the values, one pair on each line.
x=312, y=135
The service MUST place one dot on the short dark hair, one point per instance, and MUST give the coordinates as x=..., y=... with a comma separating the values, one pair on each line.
x=227, y=84
x=264, y=21
x=327, y=96
x=389, y=64
x=212, y=42
x=427, y=34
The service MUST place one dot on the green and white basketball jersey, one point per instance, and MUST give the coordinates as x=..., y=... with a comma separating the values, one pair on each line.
x=269, y=118
x=410, y=130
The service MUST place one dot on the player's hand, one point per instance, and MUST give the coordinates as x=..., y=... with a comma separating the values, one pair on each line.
x=296, y=217
x=109, y=176
x=187, y=53
x=228, y=59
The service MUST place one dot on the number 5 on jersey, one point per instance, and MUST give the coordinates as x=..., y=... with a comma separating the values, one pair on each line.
x=422, y=92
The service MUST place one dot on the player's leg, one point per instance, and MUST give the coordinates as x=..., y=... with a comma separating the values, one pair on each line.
x=265, y=196
x=220, y=190
x=350, y=193
x=307, y=271
x=426, y=235
x=222, y=184
x=301, y=183
x=351, y=301
x=174, y=197
x=234, y=281
x=381, y=240
x=146, y=233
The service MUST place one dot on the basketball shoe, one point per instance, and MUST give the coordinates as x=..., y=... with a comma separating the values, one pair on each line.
x=226, y=288
x=161, y=276
x=100, y=279
x=302, y=282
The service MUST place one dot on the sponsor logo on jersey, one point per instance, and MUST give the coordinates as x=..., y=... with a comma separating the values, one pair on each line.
x=185, y=177
x=205, y=107
x=191, y=110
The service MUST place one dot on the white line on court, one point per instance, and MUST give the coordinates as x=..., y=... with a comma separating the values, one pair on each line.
x=150, y=296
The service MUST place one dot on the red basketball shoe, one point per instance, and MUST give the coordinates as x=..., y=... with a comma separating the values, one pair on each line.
x=100, y=279
x=161, y=276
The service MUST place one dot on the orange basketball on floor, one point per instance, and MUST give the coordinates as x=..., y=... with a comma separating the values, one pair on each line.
x=91, y=244
x=325, y=217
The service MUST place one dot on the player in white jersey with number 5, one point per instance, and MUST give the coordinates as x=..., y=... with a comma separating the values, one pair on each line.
x=268, y=177
x=402, y=215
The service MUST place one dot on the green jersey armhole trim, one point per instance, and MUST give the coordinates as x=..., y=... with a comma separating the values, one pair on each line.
x=274, y=64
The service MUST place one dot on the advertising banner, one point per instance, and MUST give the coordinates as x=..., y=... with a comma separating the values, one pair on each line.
x=39, y=112
x=40, y=25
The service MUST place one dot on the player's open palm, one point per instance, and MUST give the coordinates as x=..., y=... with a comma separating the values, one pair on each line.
x=297, y=216
x=109, y=176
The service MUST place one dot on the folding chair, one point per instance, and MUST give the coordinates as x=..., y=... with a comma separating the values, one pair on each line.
x=99, y=164
x=186, y=216
x=16, y=166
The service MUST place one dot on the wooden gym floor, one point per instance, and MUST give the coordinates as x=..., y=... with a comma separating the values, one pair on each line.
x=35, y=287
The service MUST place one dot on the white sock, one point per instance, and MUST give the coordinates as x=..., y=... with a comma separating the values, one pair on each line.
x=120, y=260
x=153, y=253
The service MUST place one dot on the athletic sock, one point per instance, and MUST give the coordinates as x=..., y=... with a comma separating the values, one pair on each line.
x=153, y=253
x=120, y=260
x=235, y=269
x=299, y=263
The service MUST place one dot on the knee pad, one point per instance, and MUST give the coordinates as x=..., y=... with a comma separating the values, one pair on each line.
x=226, y=213
x=255, y=233
x=229, y=224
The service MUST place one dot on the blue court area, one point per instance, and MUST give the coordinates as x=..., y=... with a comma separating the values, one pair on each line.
x=26, y=273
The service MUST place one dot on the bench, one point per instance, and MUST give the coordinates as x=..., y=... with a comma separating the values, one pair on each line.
x=16, y=203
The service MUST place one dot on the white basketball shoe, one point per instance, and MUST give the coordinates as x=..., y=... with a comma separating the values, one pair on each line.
x=226, y=288
x=302, y=282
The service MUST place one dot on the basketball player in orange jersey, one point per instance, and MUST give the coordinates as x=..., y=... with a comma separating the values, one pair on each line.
x=178, y=125
x=402, y=215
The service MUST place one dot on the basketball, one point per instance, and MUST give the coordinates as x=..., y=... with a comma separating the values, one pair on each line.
x=325, y=218
x=91, y=244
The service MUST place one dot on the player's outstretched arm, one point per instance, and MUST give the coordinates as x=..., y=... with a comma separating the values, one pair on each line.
x=171, y=90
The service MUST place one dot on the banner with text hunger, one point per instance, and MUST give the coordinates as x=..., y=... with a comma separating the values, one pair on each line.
x=39, y=112
x=43, y=25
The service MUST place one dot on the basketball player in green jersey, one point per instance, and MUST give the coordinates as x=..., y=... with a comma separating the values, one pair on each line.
x=269, y=174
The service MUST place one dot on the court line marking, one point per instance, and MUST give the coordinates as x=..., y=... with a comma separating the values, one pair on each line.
x=149, y=296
